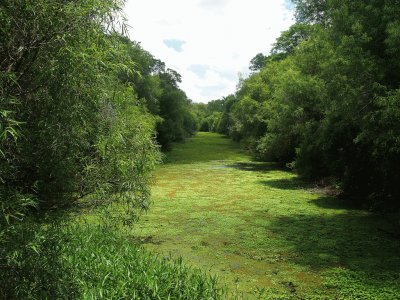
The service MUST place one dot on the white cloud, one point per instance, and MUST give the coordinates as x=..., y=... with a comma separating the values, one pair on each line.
x=212, y=3
x=220, y=38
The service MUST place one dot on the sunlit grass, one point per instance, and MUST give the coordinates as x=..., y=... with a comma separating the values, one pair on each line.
x=263, y=231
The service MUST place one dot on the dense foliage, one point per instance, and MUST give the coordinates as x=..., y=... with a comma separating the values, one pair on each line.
x=79, y=106
x=326, y=100
x=81, y=110
x=69, y=127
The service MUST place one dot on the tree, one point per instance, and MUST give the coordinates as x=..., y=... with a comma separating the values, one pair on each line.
x=69, y=128
x=287, y=42
x=258, y=62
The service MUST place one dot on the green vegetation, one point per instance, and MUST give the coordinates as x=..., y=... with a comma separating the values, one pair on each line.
x=85, y=113
x=80, y=107
x=97, y=262
x=263, y=231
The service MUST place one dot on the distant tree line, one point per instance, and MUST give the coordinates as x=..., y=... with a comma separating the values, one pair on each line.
x=157, y=87
x=326, y=99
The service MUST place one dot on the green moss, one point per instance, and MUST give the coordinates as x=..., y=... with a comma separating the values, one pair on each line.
x=262, y=230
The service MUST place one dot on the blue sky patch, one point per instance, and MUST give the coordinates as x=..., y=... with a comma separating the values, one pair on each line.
x=289, y=5
x=174, y=44
x=199, y=70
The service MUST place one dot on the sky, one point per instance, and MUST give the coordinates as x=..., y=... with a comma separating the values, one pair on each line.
x=208, y=42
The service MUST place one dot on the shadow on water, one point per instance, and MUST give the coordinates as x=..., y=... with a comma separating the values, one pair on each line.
x=353, y=241
x=331, y=202
x=287, y=184
x=351, y=238
x=296, y=183
x=258, y=166
x=353, y=244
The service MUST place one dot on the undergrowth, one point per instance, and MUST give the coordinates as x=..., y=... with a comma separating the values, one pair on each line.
x=95, y=262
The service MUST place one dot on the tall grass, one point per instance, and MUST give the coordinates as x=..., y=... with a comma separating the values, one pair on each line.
x=96, y=262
